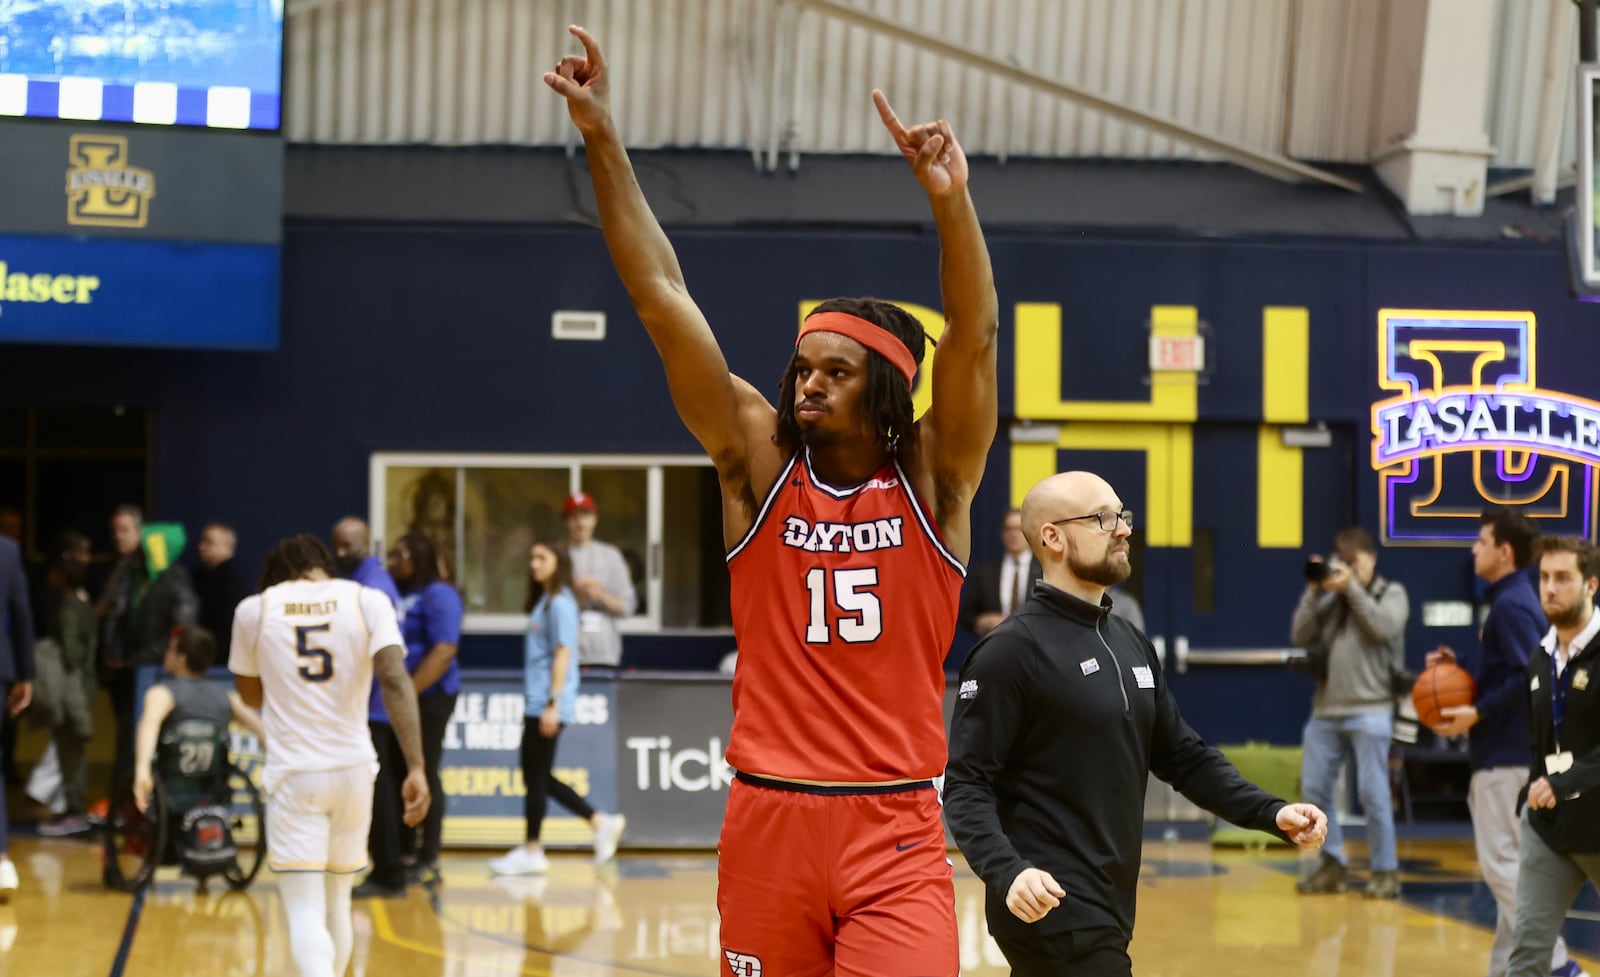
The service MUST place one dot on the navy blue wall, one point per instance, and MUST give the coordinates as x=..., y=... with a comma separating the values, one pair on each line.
x=439, y=340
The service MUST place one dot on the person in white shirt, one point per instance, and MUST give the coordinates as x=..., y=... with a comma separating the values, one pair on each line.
x=996, y=587
x=601, y=580
x=304, y=652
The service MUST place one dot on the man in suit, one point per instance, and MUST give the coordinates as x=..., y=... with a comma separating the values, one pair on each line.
x=16, y=674
x=996, y=586
x=219, y=585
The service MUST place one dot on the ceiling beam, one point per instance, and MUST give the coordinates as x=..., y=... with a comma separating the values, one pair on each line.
x=1268, y=164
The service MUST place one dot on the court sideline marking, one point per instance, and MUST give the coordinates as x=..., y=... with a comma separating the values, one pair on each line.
x=120, y=961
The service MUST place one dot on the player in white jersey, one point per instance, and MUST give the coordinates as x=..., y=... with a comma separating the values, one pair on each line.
x=304, y=653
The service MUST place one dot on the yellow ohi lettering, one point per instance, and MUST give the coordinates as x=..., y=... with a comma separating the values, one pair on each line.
x=1038, y=363
x=1125, y=425
x=1168, y=447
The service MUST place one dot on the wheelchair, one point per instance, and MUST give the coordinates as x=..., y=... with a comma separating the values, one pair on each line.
x=201, y=804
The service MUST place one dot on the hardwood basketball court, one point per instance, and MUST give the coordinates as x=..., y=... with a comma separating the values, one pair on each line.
x=1203, y=912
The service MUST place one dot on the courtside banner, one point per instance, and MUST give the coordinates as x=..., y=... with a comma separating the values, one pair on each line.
x=672, y=779
x=481, y=769
x=650, y=745
x=79, y=291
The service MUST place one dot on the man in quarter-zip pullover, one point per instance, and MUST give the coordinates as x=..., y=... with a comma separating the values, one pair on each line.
x=1062, y=714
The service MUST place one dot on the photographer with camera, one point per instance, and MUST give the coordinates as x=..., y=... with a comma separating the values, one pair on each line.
x=1352, y=624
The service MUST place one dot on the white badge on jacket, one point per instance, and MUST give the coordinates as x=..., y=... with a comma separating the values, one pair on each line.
x=1089, y=666
x=1558, y=762
x=1143, y=677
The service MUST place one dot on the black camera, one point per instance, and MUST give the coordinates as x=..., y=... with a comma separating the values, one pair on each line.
x=1316, y=570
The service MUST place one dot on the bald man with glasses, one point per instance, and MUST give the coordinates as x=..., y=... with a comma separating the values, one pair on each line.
x=1062, y=714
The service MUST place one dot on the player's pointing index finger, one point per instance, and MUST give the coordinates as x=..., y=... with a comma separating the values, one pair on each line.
x=887, y=114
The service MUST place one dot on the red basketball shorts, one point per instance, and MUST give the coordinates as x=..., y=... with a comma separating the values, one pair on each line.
x=856, y=885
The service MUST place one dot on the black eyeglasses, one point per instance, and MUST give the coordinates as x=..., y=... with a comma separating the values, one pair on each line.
x=1107, y=520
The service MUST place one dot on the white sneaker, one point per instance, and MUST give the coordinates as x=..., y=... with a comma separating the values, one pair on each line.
x=607, y=836
x=8, y=879
x=519, y=861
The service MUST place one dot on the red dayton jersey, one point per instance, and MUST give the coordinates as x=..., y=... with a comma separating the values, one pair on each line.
x=844, y=604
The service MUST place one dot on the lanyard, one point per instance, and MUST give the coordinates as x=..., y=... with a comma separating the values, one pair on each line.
x=1558, y=690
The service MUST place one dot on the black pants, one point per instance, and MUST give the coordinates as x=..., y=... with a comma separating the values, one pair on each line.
x=1079, y=953
x=384, y=839
x=390, y=839
x=121, y=685
x=6, y=722
x=8, y=751
x=436, y=711
x=538, y=759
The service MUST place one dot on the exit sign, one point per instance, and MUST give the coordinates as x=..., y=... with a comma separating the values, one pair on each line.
x=1178, y=353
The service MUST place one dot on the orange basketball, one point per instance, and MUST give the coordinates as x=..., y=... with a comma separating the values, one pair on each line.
x=1440, y=687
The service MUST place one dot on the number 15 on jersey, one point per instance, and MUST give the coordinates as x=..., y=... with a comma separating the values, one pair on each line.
x=846, y=596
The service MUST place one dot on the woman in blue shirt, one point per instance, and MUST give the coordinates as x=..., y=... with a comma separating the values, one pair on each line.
x=550, y=682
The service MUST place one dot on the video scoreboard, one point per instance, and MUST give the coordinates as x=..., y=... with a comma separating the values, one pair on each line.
x=141, y=172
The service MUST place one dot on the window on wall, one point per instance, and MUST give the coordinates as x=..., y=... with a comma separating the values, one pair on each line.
x=484, y=513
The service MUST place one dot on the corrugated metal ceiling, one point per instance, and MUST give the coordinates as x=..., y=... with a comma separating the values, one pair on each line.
x=1294, y=76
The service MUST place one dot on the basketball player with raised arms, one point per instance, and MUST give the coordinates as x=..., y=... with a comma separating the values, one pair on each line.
x=307, y=647
x=848, y=530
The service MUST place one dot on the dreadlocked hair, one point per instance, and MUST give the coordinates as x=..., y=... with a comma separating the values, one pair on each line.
x=294, y=558
x=887, y=400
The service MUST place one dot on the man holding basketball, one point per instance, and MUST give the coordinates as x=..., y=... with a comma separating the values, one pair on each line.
x=1357, y=619
x=1561, y=823
x=1496, y=725
x=847, y=521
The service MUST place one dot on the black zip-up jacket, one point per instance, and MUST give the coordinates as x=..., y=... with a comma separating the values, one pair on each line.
x=1573, y=825
x=1061, y=715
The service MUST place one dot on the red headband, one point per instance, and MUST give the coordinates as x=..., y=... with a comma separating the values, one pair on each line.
x=868, y=334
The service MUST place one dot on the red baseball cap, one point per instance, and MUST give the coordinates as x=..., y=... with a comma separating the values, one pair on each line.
x=576, y=501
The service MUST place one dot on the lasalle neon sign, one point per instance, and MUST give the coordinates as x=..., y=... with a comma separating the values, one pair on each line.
x=1469, y=427
x=1461, y=418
